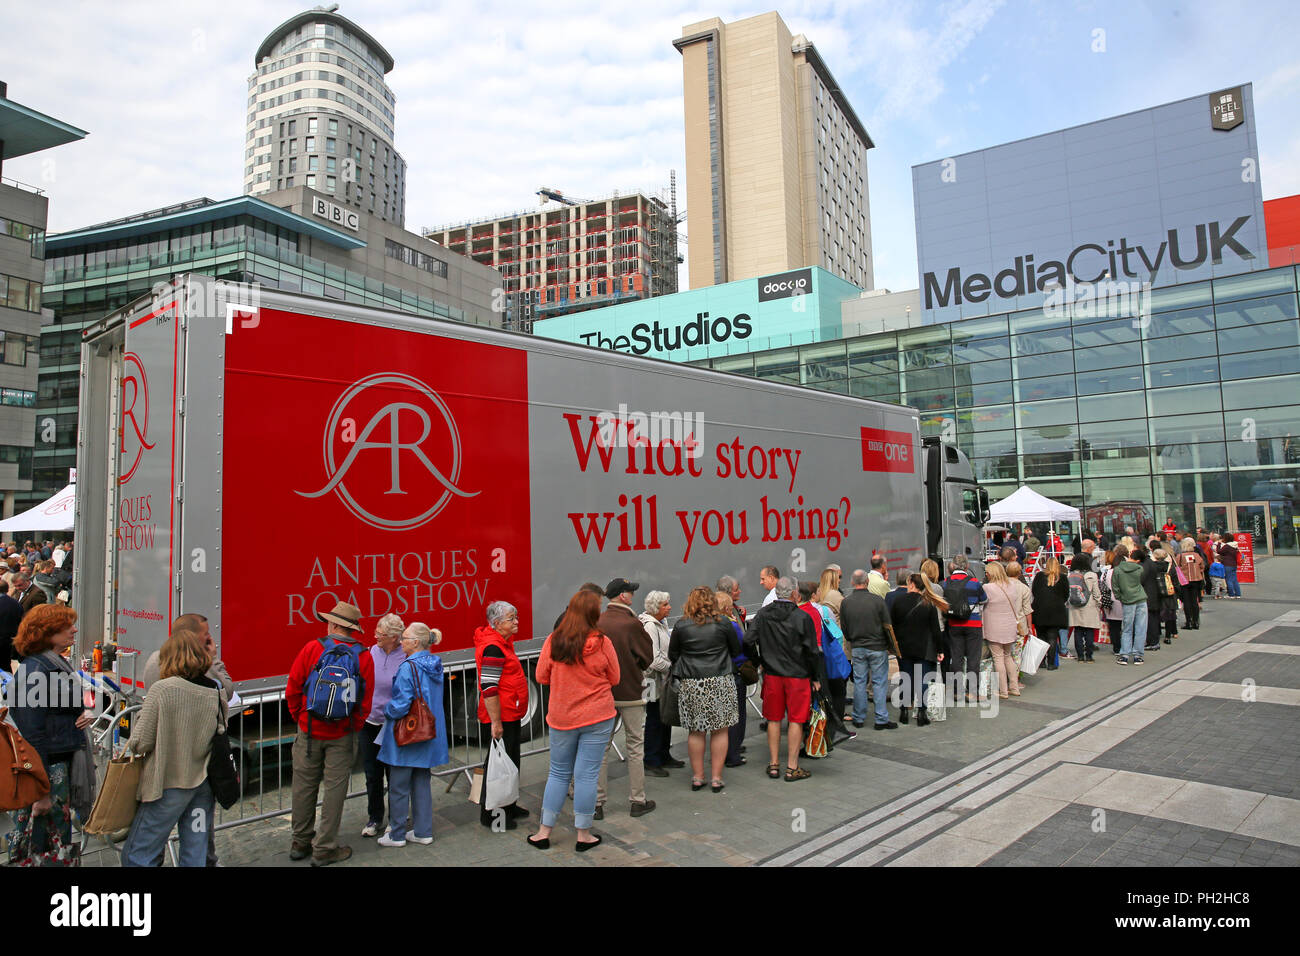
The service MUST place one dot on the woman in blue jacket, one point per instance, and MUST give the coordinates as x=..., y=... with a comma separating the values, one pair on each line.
x=408, y=783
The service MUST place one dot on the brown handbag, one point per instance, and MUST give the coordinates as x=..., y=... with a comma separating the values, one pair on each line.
x=418, y=725
x=23, y=780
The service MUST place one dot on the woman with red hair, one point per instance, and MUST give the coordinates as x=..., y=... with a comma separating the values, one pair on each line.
x=47, y=711
x=581, y=667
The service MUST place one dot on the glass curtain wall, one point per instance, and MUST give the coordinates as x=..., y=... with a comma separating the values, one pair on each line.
x=1133, y=421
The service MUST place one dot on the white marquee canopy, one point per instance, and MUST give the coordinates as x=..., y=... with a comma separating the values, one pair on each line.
x=1025, y=504
x=54, y=514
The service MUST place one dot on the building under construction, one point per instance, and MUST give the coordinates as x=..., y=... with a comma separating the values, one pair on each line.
x=571, y=255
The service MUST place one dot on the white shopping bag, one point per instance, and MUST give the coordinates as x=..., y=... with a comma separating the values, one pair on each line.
x=936, y=704
x=988, y=679
x=1032, y=655
x=501, y=780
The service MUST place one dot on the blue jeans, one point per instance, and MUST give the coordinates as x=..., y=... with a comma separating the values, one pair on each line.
x=1230, y=575
x=1134, y=638
x=189, y=810
x=408, y=788
x=575, y=755
x=873, y=665
x=1065, y=641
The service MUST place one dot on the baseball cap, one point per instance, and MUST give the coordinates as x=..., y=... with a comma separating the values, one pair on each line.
x=618, y=586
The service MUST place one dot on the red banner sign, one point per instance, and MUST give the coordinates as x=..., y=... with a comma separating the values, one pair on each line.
x=1244, y=541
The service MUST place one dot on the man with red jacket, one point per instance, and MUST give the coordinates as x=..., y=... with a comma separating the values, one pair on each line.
x=503, y=696
x=325, y=750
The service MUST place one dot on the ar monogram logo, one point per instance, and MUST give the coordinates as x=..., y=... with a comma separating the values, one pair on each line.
x=407, y=404
x=135, y=388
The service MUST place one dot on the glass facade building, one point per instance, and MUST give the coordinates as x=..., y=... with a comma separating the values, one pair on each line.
x=1191, y=413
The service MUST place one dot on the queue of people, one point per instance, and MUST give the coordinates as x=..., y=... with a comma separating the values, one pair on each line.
x=603, y=662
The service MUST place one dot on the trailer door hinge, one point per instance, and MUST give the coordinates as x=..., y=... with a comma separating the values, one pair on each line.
x=180, y=491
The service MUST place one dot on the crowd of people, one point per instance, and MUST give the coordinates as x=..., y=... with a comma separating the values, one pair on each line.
x=604, y=663
x=32, y=574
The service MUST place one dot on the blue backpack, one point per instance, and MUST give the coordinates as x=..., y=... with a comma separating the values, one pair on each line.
x=334, y=686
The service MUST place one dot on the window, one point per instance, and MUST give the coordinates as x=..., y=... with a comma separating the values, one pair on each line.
x=309, y=144
x=293, y=146
x=311, y=181
x=288, y=183
x=333, y=126
x=19, y=293
x=281, y=169
x=331, y=145
x=329, y=184
x=293, y=127
x=331, y=164
x=20, y=230
x=311, y=125
x=313, y=163
x=293, y=165
x=18, y=397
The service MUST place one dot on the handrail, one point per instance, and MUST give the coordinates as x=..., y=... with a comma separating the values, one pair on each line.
x=21, y=185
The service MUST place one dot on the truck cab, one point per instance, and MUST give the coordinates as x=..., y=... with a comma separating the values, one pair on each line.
x=956, y=506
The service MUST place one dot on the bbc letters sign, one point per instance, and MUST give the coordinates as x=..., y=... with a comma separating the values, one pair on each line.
x=336, y=214
x=798, y=282
x=1143, y=200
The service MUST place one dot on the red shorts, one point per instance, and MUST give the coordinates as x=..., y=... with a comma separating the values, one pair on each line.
x=782, y=694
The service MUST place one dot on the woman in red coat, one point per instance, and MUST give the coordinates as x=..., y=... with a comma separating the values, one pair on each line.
x=503, y=693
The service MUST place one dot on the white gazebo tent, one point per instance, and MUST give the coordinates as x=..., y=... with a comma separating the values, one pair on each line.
x=54, y=514
x=1025, y=504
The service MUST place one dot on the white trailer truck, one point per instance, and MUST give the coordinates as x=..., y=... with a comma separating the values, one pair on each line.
x=256, y=456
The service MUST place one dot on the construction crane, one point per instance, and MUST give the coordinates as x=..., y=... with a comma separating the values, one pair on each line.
x=546, y=192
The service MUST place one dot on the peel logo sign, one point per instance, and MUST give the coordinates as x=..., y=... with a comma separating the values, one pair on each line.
x=1226, y=109
x=392, y=452
x=133, y=432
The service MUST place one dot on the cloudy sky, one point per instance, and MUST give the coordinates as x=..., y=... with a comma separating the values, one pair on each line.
x=495, y=99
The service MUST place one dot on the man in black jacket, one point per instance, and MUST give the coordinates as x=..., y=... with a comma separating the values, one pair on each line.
x=864, y=618
x=11, y=613
x=782, y=638
x=1152, y=587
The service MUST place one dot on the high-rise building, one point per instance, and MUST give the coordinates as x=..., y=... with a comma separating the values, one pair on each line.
x=573, y=255
x=23, y=212
x=776, y=159
x=320, y=115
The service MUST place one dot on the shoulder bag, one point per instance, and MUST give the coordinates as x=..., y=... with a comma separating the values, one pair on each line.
x=223, y=767
x=668, y=710
x=418, y=725
x=23, y=780
x=1022, y=626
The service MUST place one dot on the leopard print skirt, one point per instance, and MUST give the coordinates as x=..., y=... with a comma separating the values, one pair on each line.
x=708, y=703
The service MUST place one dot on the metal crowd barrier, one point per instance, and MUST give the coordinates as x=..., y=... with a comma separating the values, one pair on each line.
x=267, y=731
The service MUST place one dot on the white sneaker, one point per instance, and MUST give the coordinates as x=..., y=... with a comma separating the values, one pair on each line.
x=370, y=829
x=386, y=840
x=423, y=841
